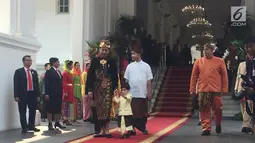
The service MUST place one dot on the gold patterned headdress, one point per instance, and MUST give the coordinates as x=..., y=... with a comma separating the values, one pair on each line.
x=105, y=44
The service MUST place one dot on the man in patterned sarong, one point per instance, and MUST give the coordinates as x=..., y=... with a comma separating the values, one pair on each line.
x=210, y=74
x=139, y=76
x=102, y=81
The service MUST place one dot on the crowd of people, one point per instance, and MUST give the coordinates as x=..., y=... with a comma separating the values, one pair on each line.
x=209, y=82
x=94, y=94
x=91, y=95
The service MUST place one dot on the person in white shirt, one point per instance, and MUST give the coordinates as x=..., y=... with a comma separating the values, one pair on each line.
x=139, y=76
x=195, y=54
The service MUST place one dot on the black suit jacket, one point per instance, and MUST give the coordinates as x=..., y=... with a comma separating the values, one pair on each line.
x=53, y=83
x=20, y=83
x=112, y=72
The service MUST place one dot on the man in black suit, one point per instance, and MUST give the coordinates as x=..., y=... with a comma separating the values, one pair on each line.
x=53, y=93
x=26, y=93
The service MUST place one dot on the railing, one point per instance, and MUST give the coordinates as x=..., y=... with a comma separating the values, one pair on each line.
x=157, y=79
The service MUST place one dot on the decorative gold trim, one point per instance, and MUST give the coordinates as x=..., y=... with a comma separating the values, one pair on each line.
x=164, y=131
x=105, y=44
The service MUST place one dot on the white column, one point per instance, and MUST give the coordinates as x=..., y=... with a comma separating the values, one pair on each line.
x=93, y=19
x=114, y=14
x=170, y=34
x=76, y=29
x=151, y=18
x=250, y=7
x=131, y=7
x=14, y=48
x=88, y=26
x=126, y=7
x=89, y=22
x=108, y=16
x=162, y=30
x=7, y=16
x=26, y=16
x=175, y=34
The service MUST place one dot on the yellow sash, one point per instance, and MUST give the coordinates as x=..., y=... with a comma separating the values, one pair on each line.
x=115, y=105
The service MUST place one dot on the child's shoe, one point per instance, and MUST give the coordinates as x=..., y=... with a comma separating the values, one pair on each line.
x=123, y=136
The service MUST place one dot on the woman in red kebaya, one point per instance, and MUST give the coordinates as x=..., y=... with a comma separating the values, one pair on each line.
x=68, y=95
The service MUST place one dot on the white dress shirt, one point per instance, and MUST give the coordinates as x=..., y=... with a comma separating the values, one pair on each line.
x=137, y=74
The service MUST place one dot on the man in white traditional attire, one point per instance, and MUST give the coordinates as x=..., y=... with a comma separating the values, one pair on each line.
x=139, y=76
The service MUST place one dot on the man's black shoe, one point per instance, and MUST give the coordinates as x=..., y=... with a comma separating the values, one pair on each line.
x=34, y=129
x=145, y=132
x=247, y=130
x=206, y=133
x=24, y=131
x=218, y=129
x=132, y=133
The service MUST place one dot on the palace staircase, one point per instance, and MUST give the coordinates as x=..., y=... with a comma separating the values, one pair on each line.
x=173, y=98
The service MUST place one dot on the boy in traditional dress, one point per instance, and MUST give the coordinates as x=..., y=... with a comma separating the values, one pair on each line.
x=211, y=75
x=125, y=111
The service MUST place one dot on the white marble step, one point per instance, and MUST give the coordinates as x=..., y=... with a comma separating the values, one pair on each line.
x=230, y=106
x=229, y=113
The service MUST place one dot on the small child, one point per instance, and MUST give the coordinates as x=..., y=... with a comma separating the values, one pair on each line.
x=125, y=111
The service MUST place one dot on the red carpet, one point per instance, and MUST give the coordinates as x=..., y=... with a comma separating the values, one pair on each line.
x=157, y=126
x=173, y=106
x=174, y=99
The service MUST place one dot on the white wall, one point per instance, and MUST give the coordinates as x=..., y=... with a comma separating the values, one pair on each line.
x=59, y=35
x=12, y=51
x=52, y=30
